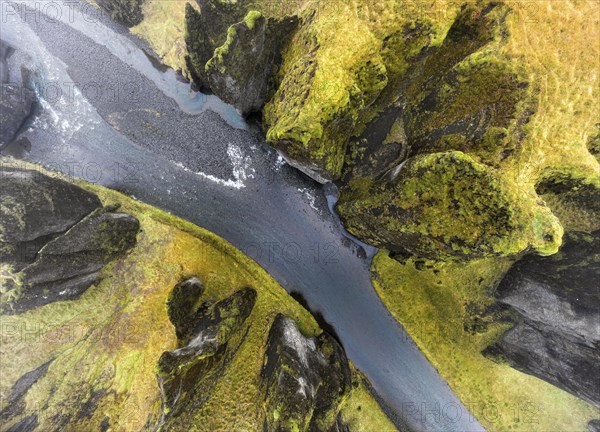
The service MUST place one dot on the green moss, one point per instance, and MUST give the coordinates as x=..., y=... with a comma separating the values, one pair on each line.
x=108, y=342
x=573, y=194
x=251, y=17
x=448, y=310
x=217, y=59
x=360, y=412
x=413, y=206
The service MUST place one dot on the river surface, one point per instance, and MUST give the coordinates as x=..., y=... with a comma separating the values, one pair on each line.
x=109, y=114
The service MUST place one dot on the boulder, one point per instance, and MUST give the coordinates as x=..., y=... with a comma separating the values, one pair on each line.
x=446, y=205
x=36, y=208
x=305, y=379
x=69, y=264
x=557, y=297
x=16, y=104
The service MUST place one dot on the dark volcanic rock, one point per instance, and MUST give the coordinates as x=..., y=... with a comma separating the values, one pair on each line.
x=5, y=51
x=57, y=236
x=305, y=379
x=34, y=209
x=15, y=106
x=561, y=360
x=182, y=305
x=66, y=266
x=240, y=70
x=594, y=426
x=15, y=404
x=234, y=54
x=28, y=424
x=558, y=338
x=187, y=375
x=127, y=12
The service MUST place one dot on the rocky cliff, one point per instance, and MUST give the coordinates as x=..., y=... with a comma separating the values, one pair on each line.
x=557, y=333
x=16, y=101
x=121, y=317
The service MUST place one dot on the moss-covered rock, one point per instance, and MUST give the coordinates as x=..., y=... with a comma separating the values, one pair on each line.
x=241, y=69
x=128, y=12
x=306, y=379
x=468, y=96
x=188, y=374
x=446, y=205
x=573, y=194
x=55, y=263
x=322, y=91
x=92, y=362
x=239, y=62
x=556, y=337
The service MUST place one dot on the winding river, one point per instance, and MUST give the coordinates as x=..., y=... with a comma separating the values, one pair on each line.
x=110, y=115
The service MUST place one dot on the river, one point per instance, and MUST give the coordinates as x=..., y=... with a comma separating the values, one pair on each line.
x=109, y=114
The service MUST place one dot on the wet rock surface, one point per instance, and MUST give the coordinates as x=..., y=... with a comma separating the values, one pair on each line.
x=58, y=236
x=558, y=336
x=305, y=379
x=16, y=101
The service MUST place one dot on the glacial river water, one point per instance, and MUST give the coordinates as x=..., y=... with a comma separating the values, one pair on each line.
x=109, y=115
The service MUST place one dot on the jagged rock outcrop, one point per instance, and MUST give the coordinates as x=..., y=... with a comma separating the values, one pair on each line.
x=466, y=95
x=558, y=336
x=35, y=209
x=127, y=12
x=445, y=205
x=306, y=379
x=16, y=102
x=187, y=375
x=142, y=350
x=233, y=53
x=55, y=238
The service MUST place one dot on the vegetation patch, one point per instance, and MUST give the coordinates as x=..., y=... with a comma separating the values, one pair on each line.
x=448, y=310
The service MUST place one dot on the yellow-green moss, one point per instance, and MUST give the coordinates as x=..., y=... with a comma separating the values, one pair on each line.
x=445, y=205
x=445, y=308
x=107, y=342
x=251, y=17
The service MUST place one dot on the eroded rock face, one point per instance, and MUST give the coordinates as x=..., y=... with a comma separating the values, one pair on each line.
x=558, y=338
x=445, y=205
x=36, y=208
x=16, y=101
x=15, y=107
x=233, y=53
x=127, y=12
x=466, y=96
x=305, y=379
x=58, y=236
x=209, y=336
